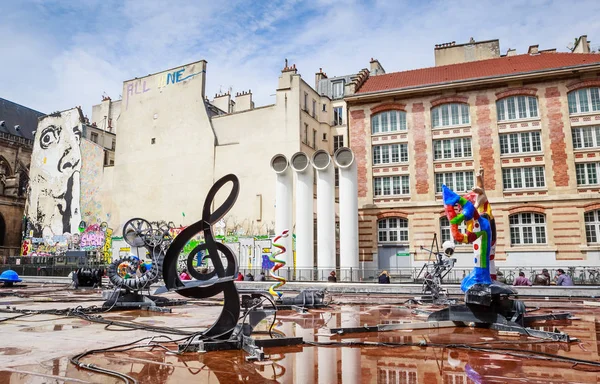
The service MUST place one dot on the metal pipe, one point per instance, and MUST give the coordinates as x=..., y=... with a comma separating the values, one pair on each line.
x=348, y=195
x=321, y=161
x=304, y=210
x=283, y=202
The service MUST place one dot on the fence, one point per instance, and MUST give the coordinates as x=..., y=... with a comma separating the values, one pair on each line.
x=579, y=275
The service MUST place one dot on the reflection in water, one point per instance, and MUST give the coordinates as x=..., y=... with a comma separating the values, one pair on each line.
x=348, y=365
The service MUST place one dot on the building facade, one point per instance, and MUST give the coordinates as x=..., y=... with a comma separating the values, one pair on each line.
x=17, y=128
x=529, y=121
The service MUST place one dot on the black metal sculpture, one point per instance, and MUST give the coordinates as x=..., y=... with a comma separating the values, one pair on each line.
x=138, y=233
x=221, y=279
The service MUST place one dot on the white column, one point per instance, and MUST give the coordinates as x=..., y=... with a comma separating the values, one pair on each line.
x=283, y=206
x=304, y=213
x=325, y=210
x=348, y=207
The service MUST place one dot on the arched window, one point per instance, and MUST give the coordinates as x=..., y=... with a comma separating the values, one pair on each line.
x=527, y=228
x=517, y=107
x=584, y=100
x=392, y=230
x=447, y=115
x=445, y=229
x=388, y=121
x=592, y=226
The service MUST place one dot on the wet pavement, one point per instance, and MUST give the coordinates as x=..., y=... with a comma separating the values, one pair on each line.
x=36, y=349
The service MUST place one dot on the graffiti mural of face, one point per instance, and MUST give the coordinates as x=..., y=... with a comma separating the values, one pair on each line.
x=54, y=178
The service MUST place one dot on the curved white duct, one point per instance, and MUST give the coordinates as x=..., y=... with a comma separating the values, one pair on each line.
x=304, y=213
x=325, y=210
x=348, y=195
x=283, y=204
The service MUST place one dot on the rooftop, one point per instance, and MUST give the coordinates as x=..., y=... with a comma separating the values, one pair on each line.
x=482, y=69
x=14, y=114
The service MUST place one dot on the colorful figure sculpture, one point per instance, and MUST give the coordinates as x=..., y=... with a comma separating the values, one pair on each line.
x=478, y=233
x=483, y=206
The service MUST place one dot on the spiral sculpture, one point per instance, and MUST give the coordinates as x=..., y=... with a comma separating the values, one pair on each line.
x=278, y=264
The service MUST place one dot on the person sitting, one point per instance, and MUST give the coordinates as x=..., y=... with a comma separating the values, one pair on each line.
x=500, y=277
x=262, y=277
x=384, y=278
x=563, y=279
x=249, y=277
x=542, y=278
x=184, y=275
x=239, y=277
x=522, y=280
x=332, y=278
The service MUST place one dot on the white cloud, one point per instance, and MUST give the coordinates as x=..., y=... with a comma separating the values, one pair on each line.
x=58, y=54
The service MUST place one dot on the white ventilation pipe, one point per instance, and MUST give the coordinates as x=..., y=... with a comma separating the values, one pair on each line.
x=304, y=213
x=283, y=205
x=325, y=211
x=348, y=206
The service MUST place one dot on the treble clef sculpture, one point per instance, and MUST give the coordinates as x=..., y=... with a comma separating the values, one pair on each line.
x=219, y=280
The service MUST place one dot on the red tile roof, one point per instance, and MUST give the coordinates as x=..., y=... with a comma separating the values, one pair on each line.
x=502, y=66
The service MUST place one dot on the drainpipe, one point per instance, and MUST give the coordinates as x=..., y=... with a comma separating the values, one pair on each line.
x=348, y=194
x=304, y=213
x=321, y=161
x=283, y=204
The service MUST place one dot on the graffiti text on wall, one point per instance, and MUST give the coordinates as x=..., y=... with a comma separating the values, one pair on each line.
x=138, y=87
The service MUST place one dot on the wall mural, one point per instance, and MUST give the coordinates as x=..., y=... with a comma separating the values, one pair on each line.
x=54, y=186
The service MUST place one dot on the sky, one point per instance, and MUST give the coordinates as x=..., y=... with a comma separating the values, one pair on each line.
x=55, y=55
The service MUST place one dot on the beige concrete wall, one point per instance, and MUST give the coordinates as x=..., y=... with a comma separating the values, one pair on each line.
x=165, y=157
x=561, y=200
x=453, y=54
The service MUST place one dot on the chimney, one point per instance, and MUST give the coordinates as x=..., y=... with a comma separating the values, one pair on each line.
x=289, y=68
x=376, y=68
x=223, y=102
x=511, y=52
x=533, y=49
x=582, y=45
x=318, y=77
x=452, y=53
x=243, y=101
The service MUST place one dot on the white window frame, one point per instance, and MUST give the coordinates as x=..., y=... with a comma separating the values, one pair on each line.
x=506, y=142
x=440, y=149
x=337, y=89
x=578, y=106
x=386, y=152
x=445, y=228
x=453, y=113
x=587, y=174
x=338, y=142
x=527, y=226
x=503, y=108
x=592, y=226
x=393, y=121
x=453, y=179
x=391, y=183
x=582, y=136
x=392, y=227
x=338, y=116
x=518, y=177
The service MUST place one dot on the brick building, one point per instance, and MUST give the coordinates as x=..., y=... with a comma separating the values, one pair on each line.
x=531, y=121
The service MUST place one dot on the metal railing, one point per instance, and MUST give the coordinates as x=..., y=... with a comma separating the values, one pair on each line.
x=579, y=275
